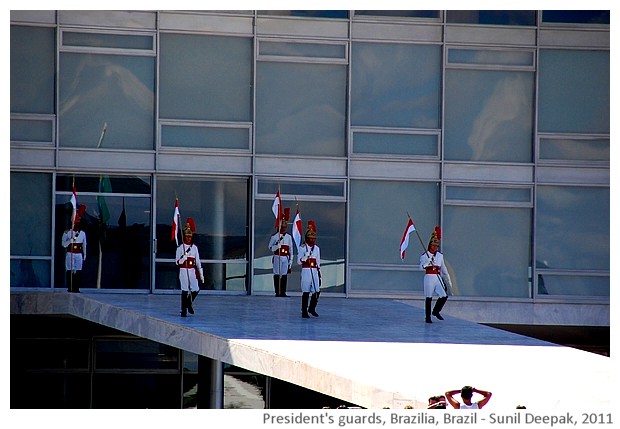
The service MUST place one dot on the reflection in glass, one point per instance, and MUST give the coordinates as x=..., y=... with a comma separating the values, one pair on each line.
x=371, y=222
x=574, y=95
x=395, y=85
x=572, y=226
x=117, y=224
x=113, y=90
x=330, y=222
x=300, y=109
x=32, y=67
x=205, y=77
x=487, y=250
x=221, y=234
x=492, y=17
x=489, y=115
x=395, y=143
x=573, y=284
x=577, y=16
x=574, y=149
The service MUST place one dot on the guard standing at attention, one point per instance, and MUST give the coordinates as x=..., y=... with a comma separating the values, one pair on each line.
x=190, y=268
x=281, y=244
x=74, y=240
x=310, y=260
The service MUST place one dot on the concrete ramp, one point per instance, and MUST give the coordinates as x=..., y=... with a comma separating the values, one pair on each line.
x=372, y=352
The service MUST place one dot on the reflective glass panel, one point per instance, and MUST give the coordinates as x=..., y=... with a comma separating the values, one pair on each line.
x=220, y=234
x=112, y=90
x=572, y=227
x=573, y=285
x=492, y=17
x=330, y=221
x=205, y=137
x=396, y=143
x=307, y=13
x=300, y=109
x=400, y=13
x=117, y=224
x=370, y=222
x=490, y=57
x=33, y=131
x=574, y=91
x=291, y=187
x=395, y=85
x=32, y=67
x=205, y=77
x=31, y=214
x=477, y=193
x=489, y=115
x=411, y=280
x=573, y=149
x=577, y=16
x=313, y=50
x=487, y=250
x=99, y=40
x=31, y=273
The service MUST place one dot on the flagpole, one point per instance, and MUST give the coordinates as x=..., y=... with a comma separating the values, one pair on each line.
x=72, y=232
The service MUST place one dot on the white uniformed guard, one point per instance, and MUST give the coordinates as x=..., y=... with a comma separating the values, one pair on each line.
x=436, y=279
x=190, y=268
x=281, y=244
x=310, y=260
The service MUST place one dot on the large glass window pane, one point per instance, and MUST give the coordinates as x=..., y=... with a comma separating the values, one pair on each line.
x=117, y=224
x=205, y=77
x=395, y=85
x=489, y=115
x=32, y=131
x=32, y=65
x=219, y=208
x=116, y=91
x=487, y=250
x=212, y=137
x=572, y=228
x=492, y=17
x=330, y=222
x=370, y=222
x=31, y=214
x=574, y=94
x=300, y=109
x=390, y=280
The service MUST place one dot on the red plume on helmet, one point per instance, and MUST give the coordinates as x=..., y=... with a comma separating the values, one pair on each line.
x=190, y=227
x=79, y=214
x=287, y=213
x=435, y=237
x=311, y=230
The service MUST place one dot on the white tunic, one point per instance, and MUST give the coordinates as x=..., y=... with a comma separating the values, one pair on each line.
x=74, y=259
x=283, y=246
x=188, y=260
x=434, y=282
x=310, y=259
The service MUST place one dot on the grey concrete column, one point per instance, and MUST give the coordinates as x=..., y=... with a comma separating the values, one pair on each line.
x=210, y=383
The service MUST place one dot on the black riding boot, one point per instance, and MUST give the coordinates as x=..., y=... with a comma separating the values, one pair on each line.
x=190, y=301
x=304, y=305
x=314, y=299
x=283, y=282
x=428, y=303
x=276, y=284
x=439, y=306
x=77, y=281
x=184, y=298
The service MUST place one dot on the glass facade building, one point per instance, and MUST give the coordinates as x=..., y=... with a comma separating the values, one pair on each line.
x=494, y=125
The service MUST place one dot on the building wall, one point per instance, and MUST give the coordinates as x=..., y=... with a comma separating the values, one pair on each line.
x=493, y=125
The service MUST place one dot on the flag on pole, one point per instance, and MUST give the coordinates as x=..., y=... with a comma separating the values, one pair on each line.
x=74, y=205
x=404, y=243
x=297, y=229
x=276, y=208
x=175, y=222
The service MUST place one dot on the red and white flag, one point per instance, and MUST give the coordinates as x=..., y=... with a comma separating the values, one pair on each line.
x=175, y=222
x=297, y=229
x=74, y=204
x=404, y=243
x=276, y=208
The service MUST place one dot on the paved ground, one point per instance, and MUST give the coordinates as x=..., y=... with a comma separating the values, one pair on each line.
x=373, y=352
